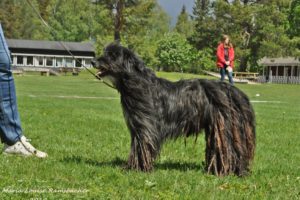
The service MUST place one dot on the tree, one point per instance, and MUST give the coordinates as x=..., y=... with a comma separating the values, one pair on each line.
x=43, y=8
x=175, y=53
x=257, y=28
x=18, y=19
x=294, y=24
x=118, y=8
x=184, y=25
x=270, y=37
x=147, y=31
x=9, y=16
x=139, y=23
x=143, y=23
x=206, y=30
x=71, y=20
x=294, y=18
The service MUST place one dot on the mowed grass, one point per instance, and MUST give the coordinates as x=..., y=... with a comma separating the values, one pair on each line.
x=78, y=121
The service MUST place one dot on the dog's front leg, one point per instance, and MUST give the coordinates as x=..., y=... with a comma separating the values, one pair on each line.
x=143, y=152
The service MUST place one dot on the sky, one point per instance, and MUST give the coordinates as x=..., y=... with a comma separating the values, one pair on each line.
x=173, y=7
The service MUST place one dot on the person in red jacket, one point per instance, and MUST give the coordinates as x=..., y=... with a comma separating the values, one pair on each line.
x=225, y=58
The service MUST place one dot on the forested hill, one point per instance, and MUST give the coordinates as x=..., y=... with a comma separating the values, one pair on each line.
x=258, y=28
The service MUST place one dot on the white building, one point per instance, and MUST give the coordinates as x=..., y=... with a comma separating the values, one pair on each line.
x=280, y=70
x=50, y=54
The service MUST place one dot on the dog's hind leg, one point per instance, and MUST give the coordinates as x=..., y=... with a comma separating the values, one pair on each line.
x=228, y=146
x=216, y=151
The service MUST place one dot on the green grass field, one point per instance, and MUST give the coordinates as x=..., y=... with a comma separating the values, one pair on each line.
x=78, y=121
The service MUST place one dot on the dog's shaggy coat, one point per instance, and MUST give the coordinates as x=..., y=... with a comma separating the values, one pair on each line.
x=156, y=109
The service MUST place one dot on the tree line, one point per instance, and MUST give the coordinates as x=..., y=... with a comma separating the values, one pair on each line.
x=258, y=28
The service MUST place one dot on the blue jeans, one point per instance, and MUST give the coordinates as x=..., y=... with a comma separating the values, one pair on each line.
x=223, y=73
x=10, y=124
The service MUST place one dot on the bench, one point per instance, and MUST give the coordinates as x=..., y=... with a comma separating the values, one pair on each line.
x=18, y=72
x=74, y=71
x=45, y=72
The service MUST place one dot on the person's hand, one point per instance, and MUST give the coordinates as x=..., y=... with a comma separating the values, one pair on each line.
x=227, y=62
x=229, y=69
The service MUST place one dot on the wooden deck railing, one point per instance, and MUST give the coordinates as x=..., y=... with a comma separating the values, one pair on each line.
x=246, y=75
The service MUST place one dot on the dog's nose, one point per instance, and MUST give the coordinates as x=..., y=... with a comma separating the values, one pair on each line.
x=93, y=62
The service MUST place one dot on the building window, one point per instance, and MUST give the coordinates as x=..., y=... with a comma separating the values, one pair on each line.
x=59, y=62
x=20, y=60
x=88, y=62
x=40, y=60
x=69, y=62
x=273, y=70
x=29, y=61
x=281, y=71
x=49, y=61
x=78, y=62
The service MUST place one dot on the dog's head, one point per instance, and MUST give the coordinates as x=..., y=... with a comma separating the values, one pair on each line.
x=117, y=61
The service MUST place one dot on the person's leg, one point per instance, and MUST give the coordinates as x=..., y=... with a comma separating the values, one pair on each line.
x=10, y=125
x=222, y=73
x=230, y=77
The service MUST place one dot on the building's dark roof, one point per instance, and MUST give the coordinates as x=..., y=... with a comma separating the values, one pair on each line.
x=50, y=45
x=287, y=61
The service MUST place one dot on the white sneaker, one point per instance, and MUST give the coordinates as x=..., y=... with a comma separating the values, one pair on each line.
x=24, y=148
x=31, y=149
x=18, y=148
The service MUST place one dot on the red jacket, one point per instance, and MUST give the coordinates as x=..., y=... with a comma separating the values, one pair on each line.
x=221, y=57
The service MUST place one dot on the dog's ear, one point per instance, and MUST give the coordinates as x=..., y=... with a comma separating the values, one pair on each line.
x=113, y=50
x=132, y=61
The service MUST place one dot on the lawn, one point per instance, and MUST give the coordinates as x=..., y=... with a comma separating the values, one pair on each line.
x=78, y=121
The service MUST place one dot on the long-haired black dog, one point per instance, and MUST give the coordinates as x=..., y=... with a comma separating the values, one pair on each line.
x=156, y=109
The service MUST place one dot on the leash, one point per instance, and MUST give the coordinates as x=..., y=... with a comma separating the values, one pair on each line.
x=52, y=30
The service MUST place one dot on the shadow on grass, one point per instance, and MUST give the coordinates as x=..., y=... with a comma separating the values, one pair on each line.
x=121, y=163
x=117, y=162
x=180, y=166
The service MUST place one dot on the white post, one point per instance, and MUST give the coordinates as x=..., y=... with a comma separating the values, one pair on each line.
x=14, y=60
x=25, y=61
x=54, y=62
x=270, y=75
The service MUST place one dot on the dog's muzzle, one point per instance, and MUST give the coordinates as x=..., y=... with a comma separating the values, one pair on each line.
x=101, y=70
x=101, y=73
